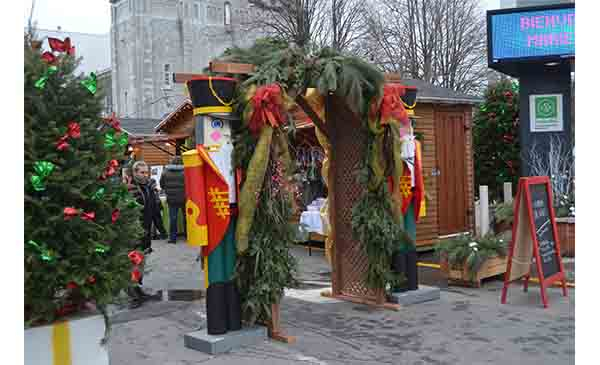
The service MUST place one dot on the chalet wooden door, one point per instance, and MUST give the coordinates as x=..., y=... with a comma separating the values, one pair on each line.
x=451, y=172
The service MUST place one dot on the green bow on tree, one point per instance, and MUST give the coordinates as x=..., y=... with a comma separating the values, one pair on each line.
x=99, y=194
x=100, y=248
x=41, y=82
x=45, y=254
x=43, y=169
x=110, y=140
x=90, y=83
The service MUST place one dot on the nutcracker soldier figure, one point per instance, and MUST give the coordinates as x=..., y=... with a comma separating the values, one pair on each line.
x=211, y=198
x=412, y=191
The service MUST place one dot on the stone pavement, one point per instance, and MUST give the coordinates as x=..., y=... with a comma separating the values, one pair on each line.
x=466, y=326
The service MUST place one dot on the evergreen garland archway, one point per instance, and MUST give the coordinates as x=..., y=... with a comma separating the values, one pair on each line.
x=264, y=231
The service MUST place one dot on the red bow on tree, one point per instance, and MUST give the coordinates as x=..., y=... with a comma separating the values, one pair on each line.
x=61, y=46
x=115, y=215
x=136, y=275
x=62, y=143
x=110, y=169
x=73, y=131
x=49, y=58
x=268, y=106
x=136, y=257
x=69, y=213
x=392, y=108
x=114, y=122
x=88, y=216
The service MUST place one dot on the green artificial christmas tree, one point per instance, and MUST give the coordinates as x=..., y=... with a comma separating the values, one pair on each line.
x=496, y=138
x=80, y=221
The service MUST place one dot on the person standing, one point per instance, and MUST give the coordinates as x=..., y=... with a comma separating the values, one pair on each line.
x=144, y=193
x=157, y=218
x=172, y=181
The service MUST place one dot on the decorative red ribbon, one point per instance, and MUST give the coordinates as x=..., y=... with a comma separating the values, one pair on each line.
x=62, y=143
x=136, y=275
x=136, y=257
x=61, y=46
x=392, y=107
x=90, y=216
x=115, y=215
x=268, y=107
x=69, y=213
x=73, y=131
x=110, y=169
x=49, y=58
x=72, y=285
x=114, y=122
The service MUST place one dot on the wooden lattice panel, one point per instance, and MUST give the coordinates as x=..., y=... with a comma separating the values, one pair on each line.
x=348, y=143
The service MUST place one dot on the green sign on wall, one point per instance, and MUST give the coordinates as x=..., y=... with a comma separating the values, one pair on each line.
x=545, y=113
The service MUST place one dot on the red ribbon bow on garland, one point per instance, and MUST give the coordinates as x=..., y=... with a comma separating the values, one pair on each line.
x=61, y=46
x=391, y=107
x=268, y=106
x=74, y=131
x=114, y=122
x=110, y=169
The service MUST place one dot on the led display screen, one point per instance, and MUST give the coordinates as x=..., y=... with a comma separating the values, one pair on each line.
x=532, y=34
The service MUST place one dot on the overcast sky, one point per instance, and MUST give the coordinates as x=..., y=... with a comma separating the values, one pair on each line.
x=93, y=16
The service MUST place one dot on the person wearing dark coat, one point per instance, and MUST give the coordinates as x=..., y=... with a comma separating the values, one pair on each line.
x=139, y=185
x=157, y=217
x=172, y=181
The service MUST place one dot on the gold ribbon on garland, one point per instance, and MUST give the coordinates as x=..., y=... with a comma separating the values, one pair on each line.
x=317, y=103
x=252, y=187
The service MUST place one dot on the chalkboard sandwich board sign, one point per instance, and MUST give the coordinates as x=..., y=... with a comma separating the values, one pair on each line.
x=534, y=236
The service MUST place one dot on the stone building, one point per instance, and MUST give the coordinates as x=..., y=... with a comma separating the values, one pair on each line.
x=152, y=39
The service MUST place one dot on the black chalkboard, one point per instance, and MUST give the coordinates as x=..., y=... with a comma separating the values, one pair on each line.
x=544, y=229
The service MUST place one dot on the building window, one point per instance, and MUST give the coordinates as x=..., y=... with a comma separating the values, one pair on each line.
x=196, y=11
x=227, y=13
x=167, y=76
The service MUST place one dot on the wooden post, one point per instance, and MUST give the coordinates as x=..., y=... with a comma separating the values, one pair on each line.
x=508, y=192
x=484, y=209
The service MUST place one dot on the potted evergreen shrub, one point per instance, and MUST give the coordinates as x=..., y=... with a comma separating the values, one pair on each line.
x=80, y=220
x=503, y=217
x=468, y=259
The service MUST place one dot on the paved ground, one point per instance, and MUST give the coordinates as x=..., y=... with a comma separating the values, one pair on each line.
x=466, y=326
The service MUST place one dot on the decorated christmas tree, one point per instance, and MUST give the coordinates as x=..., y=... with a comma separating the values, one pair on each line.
x=496, y=138
x=80, y=221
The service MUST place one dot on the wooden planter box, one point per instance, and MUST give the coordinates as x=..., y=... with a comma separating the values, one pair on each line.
x=492, y=267
x=75, y=341
x=566, y=235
